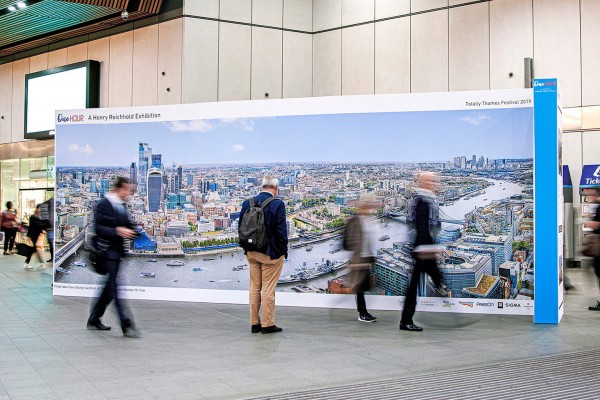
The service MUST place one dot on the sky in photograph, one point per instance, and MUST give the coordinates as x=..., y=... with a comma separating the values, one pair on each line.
x=369, y=137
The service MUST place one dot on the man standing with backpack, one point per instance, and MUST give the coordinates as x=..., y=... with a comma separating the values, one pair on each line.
x=263, y=236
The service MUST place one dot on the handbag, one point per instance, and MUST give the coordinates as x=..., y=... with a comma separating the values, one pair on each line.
x=591, y=245
x=24, y=249
x=97, y=255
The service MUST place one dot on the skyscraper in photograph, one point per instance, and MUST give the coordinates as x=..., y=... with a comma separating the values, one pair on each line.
x=103, y=187
x=179, y=178
x=156, y=161
x=145, y=156
x=154, y=189
x=133, y=173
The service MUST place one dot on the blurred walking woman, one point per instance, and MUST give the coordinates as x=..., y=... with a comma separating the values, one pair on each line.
x=9, y=227
x=37, y=233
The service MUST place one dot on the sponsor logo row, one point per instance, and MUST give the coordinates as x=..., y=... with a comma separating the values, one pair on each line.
x=481, y=305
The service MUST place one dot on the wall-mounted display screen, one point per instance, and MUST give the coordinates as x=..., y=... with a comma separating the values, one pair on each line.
x=70, y=87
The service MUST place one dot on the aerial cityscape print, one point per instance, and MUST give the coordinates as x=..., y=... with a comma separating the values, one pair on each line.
x=191, y=178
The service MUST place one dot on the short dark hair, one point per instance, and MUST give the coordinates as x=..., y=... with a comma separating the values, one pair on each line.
x=9, y=204
x=120, y=182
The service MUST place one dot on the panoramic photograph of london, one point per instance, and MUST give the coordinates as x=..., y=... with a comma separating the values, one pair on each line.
x=191, y=178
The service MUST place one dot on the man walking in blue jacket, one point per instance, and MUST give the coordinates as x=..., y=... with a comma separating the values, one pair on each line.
x=266, y=262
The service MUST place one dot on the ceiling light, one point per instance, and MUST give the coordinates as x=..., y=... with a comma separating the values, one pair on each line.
x=21, y=5
x=12, y=8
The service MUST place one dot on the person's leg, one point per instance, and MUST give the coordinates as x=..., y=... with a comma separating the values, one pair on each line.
x=108, y=293
x=51, y=244
x=255, y=287
x=410, y=301
x=6, y=240
x=11, y=244
x=270, y=275
x=361, y=305
x=125, y=314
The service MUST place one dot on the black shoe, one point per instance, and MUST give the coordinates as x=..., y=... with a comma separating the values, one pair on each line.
x=595, y=307
x=366, y=318
x=256, y=328
x=98, y=326
x=410, y=327
x=131, y=332
x=270, y=329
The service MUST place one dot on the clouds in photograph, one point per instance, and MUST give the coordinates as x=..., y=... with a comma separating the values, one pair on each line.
x=199, y=125
x=475, y=120
x=84, y=149
x=368, y=137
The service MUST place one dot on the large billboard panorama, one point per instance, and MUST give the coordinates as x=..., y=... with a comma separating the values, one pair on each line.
x=194, y=165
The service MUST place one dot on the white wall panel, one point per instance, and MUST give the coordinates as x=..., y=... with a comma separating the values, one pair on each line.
x=200, y=61
x=391, y=8
x=267, y=60
x=392, y=56
x=145, y=66
x=6, y=83
x=298, y=14
x=57, y=58
x=202, y=8
x=327, y=14
x=358, y=52
x=235, y=47
x=20, y=69
x=267, y=12
x=120, y=70
x=458, y=2
x=297, y=64
x=572, y=156
x=469, y=51
x=236, y=10
x=77, y=53
x=355, y=11
x=590, y=143
x=429, y=52
x=99, y=50
x=590, y=52
x=170, y=53
x=422, y=5
x=327, y=64
x=38, y=63
x=511, y=41
x=556, y=45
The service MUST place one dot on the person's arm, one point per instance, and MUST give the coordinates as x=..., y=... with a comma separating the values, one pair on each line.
x=282, y=234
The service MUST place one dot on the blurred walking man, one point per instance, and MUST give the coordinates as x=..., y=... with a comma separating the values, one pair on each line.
x=424, y=253
x=263, y=236
x=112, y=228
x=360, y=238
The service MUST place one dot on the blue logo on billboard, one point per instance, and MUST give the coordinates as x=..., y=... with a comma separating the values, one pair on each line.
x=62, y=118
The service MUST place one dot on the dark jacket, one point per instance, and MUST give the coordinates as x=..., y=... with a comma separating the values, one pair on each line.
x=422, y=223
x=275, y=224
x=107, y=219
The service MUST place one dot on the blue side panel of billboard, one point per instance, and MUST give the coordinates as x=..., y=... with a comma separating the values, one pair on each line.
x=545, y=100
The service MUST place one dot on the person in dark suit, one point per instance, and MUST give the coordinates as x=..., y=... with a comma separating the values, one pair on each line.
x=424, y=252
x=112, y=228
x=266, y=264
x=360, y=238
x=595, y=225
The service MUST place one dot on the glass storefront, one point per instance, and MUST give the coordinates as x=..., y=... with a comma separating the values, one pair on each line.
x=26, y=182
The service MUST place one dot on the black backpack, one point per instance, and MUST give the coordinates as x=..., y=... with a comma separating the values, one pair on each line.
x=252, y=230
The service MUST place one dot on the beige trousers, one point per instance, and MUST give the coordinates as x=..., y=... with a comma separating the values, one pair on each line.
x=264, y=274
